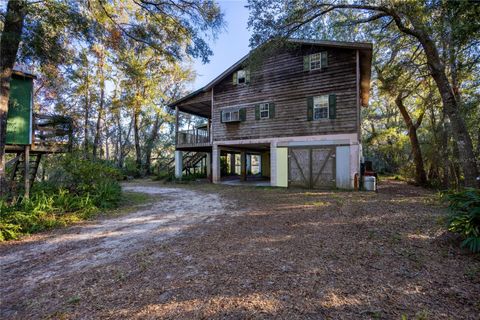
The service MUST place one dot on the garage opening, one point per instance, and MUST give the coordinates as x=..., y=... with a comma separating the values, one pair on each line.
x=245, y=163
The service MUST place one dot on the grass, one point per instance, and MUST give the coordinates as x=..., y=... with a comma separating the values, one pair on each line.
x=47, y=210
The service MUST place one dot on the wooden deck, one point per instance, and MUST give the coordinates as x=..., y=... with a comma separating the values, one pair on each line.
x=51, y=134
x=196, y=138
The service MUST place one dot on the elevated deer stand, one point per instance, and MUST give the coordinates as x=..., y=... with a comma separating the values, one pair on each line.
x=31, y=135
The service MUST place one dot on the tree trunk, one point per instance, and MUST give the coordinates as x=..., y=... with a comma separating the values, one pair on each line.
x=97, y=140
x=9, y=42
x=450, y=104
x=101, y=75
x=420, y=175
x=119, y=148
x=86, y=115
x=136, y=134
x=151, y=142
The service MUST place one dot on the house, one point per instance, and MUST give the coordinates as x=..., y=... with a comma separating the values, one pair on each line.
x=292, y=119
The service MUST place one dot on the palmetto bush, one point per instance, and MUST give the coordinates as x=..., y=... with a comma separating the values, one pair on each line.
x=464, y=217
x=76, y=190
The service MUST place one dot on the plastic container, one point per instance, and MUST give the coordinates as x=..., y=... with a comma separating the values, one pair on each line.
x=370, y=183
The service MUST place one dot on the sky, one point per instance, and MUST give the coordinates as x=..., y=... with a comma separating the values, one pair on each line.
x=229, y=47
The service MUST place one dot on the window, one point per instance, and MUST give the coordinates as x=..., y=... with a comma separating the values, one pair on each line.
x=233, y=115
x=320, y=107
x=241, y=76
x=230, y=116
x=315, y=61
x=264, y=111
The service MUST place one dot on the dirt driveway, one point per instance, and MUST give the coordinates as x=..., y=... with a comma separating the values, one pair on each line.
x=205, y=251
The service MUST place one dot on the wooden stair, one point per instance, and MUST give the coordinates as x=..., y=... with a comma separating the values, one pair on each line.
x=17, y=176
x=190, y=160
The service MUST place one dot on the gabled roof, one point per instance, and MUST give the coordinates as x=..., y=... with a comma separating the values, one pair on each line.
x=365, y=49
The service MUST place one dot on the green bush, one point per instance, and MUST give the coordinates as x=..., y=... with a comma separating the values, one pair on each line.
x=464, y=217
x=164, y=175
x=193, y=176
x=76, y=190
x=73, y=171
x=130, y=168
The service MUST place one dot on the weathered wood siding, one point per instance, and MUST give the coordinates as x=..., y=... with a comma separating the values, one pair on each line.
x=281, y=79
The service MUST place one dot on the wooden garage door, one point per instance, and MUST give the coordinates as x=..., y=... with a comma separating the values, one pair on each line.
x=312, y=167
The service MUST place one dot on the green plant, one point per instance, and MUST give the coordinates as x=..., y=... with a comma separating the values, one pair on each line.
x=193, y=176
x=464, y=216
x=76, y=190
x=163, y=175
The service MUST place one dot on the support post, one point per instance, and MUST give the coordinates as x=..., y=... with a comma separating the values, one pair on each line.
x=215, y=164
x=176, y=125
x=273, y=164
x=244, y=165
x=208, y=162
x=178, y=164
x=232, y=163
x=26, y=171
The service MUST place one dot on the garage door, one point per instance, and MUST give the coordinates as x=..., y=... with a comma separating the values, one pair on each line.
x=312, y=167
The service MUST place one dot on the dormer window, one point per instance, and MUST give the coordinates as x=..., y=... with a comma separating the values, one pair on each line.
x=241, y=77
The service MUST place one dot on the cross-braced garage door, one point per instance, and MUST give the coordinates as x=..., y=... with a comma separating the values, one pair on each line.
x=311, y=167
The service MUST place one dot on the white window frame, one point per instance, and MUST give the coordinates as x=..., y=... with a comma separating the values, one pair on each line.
x=232, y=115
x=267, y=106
x=315, y=60
x=319, y=103
x=241, y=74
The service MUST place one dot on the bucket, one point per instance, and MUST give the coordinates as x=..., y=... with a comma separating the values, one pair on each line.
x=370, y=183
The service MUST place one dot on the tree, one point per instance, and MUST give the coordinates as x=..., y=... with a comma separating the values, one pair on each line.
x=42, y=32
x=270, y=20
x=9, y=42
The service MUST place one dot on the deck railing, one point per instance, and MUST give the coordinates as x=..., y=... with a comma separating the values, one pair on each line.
x=52, y=132
x=193, y=137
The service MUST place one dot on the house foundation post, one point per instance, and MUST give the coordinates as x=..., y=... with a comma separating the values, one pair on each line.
x=178, y=164
x=215, y=164
x=232, y=163
x=273, y=164
x=243, y=156
x=208, y=162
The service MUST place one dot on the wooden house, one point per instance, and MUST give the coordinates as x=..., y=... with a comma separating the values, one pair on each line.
x=293, y=119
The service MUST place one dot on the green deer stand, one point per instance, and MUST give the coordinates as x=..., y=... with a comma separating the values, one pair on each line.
x=29, y=135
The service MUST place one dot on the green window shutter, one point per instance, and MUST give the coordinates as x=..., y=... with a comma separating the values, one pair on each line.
x=247, y=76
x=306, y=63
x=243, y=114
x=332, y=106
x=271, y=110
x=323, y=59
x=257, y=112
x=221, y=116
x=234, y=79
x=309, y=108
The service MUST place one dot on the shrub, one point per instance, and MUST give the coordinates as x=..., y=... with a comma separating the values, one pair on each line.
x=76, y=190
x=164, y=175
x=73, y=171
x=464, y=216
x=130, y=168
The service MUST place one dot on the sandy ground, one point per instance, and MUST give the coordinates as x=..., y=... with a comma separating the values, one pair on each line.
x=205, y=251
